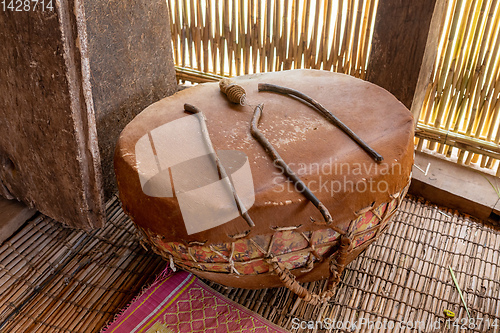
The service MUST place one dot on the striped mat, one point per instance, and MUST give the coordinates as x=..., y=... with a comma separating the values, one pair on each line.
x=180, y=302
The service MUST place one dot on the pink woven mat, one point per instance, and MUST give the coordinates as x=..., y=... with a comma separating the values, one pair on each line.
x=180, y=302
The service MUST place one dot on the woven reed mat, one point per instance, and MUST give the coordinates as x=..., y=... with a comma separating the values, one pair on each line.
x=58, y=279
x=64, y=280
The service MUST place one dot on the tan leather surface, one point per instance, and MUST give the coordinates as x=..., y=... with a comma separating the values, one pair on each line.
x=299, y=134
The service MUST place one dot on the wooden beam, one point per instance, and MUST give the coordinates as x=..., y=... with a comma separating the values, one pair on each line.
x=131, y=67
x=455, y=186
x=13, y=215
x=48, y=149
x=430, y=54
x=399, y=42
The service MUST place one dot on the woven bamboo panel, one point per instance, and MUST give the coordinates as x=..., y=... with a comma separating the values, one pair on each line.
x=251, y=36
x=66, y=280
x=462, y=98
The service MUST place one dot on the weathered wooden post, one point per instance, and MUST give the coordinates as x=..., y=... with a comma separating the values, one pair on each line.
x=73, y=73
x=404, y=45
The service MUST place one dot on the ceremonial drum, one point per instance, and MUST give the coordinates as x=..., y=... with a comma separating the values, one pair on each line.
x=276, y=189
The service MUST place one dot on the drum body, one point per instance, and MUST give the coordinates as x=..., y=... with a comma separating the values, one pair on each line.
x=167, y=189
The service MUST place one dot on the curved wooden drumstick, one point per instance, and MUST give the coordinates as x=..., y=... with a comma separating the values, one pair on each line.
x=237, y=95
x=327, y=114
x=299, y=184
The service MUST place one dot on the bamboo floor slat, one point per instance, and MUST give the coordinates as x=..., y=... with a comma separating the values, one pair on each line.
x=58, y=279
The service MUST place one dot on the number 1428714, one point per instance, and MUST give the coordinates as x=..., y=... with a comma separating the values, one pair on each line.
x=26, y=5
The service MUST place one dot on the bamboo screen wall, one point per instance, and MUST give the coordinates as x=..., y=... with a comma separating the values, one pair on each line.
x=250, y=36
x=460, y=115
